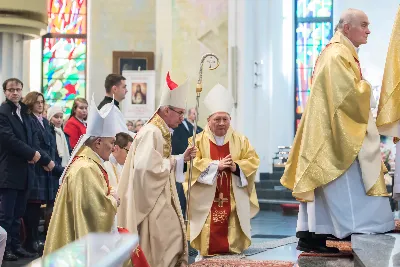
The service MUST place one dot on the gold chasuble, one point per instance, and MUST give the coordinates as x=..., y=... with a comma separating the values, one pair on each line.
x=336, y=127
x=389, y=102
x=220, y=213
x=83, y=204
x=149, y=202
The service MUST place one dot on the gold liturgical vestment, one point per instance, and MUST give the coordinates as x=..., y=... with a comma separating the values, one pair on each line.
x=83, y=204
x=334, y=128
x=149, y=202
x=243, y=203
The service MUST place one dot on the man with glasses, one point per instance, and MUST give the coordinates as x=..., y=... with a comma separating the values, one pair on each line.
x=19, y=151
x=117, y=158
x=149, y=202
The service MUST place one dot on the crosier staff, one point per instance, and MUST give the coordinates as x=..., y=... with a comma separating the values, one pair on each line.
x=199, y=88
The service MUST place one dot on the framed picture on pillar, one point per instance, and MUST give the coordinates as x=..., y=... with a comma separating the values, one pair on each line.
x=129, y=60
x=139, y=102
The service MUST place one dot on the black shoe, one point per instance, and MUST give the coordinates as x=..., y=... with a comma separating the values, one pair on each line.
x=35, y=247
x=22, y=253
x=317, y=248
x=9, y=256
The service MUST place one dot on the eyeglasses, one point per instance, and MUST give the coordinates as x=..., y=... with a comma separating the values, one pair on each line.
x=13, y=90
x=181, y=113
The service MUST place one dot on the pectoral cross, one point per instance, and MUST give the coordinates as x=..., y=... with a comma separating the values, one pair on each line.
x=221, y=200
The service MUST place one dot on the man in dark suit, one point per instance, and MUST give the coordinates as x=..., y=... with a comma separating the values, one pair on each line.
x=180, y=141
x=115, y=88
x=19, y=151
x=191, y=117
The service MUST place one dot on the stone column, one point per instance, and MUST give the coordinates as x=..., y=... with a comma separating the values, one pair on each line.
x=20, y=21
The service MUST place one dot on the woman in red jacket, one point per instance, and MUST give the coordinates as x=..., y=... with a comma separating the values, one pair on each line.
x=76, y=124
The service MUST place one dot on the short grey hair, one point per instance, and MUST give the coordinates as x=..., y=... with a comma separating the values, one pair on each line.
x=91, y=140
x=340, y=25
x=190, y=111
x=347, y=17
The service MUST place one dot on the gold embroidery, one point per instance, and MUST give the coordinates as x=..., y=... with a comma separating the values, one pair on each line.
x=137, y=250
x=160, y=124
x=221, y=181
x=221, y=200
x=220, y=216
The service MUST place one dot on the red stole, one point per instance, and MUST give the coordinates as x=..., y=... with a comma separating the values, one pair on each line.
x=137, y=257
x=221, y=207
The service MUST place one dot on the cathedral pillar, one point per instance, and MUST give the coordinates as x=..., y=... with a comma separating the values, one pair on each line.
x=20, y=21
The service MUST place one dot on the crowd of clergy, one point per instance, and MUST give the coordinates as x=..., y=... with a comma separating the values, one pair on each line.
x=93, y=174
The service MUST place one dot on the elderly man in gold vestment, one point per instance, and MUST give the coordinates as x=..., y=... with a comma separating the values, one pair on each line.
x=335, y=167
x=85, y=202
x=223, y=196
x=149, y=201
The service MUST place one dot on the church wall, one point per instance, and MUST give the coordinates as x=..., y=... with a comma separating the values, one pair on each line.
x=192, y=29
x=264, y=113
x=179, y=32
x=373, y=54
x=123, y=25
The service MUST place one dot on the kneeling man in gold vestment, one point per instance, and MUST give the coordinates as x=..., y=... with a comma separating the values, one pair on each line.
x=223, y=196
x=85, y=202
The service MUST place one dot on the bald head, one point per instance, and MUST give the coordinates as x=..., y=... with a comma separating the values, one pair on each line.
x=354, y=24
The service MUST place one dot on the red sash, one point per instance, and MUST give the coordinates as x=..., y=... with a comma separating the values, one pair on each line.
x=137, y=257
x=221, y=207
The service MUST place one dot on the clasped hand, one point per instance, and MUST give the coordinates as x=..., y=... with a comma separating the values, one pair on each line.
x=227, y=162
x=116, y=197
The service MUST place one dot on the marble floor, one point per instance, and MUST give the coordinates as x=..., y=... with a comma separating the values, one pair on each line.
x=271, y=225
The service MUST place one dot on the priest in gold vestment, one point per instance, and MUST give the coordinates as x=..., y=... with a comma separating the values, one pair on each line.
x=334, y=166
x=223, y=197
x=149, y=201
x=388, y=119
x=85, y=202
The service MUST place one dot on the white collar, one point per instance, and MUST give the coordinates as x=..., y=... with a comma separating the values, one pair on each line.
x=102, y=160
x=219, y=140
x=114, y=161
x=82, y=121
x=355, y=48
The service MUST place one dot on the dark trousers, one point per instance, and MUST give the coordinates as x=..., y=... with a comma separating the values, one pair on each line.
x=12, y=208
x=31, y=220
x=182, y=197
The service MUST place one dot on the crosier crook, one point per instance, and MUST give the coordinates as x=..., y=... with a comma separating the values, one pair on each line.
x=199, y=88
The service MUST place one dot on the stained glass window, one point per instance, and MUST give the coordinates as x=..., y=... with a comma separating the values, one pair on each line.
x=64, y=53
x=314, y=29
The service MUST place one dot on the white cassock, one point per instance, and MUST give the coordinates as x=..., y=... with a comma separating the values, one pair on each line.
x=114, y=170
x=342, y=207
x=396, y=184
